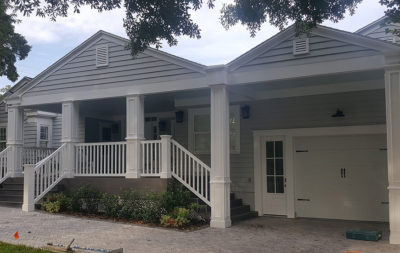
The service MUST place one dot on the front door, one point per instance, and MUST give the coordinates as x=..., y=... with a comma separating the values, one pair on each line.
x=274, y=181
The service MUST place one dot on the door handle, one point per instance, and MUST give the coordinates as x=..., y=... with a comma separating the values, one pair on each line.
x=344, y=172
x=341, y=172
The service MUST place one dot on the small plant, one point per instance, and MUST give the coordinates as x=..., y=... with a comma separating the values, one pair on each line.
x=175, y=196
x=56, y=203
x=178, y=218
x=129, y=205
x=85, y=199
x=111, y=204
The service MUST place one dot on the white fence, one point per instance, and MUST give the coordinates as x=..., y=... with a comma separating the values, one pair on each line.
x=34, y=155
x=3, y=164
x=100, y=159
x=47, y=173
x=151, y=158
x=190, y=171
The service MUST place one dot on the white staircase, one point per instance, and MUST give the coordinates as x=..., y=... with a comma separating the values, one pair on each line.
x=3, y=165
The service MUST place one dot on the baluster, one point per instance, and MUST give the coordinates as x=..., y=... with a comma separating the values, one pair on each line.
x=197, y=176
x=123, y=159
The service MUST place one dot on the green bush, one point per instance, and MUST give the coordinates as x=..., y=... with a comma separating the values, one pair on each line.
x=178, y=218
x=150, y=208
x=56, y=203
x=175, y=196
x=111, y=205
x=85, y=199
x=129, y=205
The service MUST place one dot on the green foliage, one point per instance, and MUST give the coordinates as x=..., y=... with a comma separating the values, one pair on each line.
x=175, y=196
x=85, y=199
x=178, y=218
x=56, y=203
x=10, y=248
x=129, y=205
x=13, y=46
x=111, y=204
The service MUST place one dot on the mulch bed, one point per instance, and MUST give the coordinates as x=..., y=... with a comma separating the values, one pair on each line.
x=190, y=228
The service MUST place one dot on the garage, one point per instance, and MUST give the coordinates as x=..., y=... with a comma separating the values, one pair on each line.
x=341, y=177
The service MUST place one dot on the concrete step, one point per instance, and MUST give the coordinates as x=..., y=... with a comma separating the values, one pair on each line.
x=244, y=216
x=4, y=192
x=240, y=209
x=236, y=202
x=12, y=186
x=16, y=198
x=11, y=203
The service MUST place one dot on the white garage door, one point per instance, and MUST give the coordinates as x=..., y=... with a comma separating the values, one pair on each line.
x=341, y=177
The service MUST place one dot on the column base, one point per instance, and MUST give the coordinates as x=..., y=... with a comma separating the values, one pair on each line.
x=69, y=174
x=132, y=175
x=28, y=207
x=220, y=223
x=165, y=175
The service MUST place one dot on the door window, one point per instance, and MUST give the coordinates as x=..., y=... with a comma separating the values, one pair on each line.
x=275, y=172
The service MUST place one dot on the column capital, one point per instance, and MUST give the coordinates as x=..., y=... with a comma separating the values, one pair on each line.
x=392, y=68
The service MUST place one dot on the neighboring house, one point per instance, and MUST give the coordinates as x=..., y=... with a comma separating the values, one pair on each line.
x=297, y=126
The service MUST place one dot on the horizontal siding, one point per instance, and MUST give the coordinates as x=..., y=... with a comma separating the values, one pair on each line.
x=360, y=108
x=321, y=49
x=57, y=124
x=30, y=134
x=380, y=33
x=3, y=113
x=123, y=70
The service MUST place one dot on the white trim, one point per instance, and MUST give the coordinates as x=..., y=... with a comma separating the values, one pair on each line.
x=289, y=134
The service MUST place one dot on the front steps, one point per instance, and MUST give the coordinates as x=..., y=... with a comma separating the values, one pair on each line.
x=240, y=212
x=11, y=192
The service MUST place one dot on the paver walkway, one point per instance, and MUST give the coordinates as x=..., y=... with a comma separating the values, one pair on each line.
x=264, y=234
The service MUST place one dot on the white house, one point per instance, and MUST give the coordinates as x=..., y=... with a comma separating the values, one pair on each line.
x=298, y=126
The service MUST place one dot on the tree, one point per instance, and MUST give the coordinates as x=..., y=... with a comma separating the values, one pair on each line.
x=149, y=22
x=13, y=46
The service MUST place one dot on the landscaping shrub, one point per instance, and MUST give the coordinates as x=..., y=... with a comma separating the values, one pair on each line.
x=175, y=196
x=56, y=203
x=150, y=208
x=178, y=218
x=111, y=205
x=129, y=205
x=85, y=199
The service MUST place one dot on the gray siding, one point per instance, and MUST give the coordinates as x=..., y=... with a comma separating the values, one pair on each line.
x=57, y=124
x=30, y=134
x=321, y=50
x=123, y=70
x=3, y=113
x=360, y=108
x=379, y=32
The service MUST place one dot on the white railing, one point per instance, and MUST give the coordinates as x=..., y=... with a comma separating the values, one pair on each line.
x=190, y=171
x=151, y=158
x=48, y=172
x=32, y=155
x=100, y=159
x=3, y=164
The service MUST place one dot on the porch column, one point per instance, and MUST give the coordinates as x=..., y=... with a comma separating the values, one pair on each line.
x=220, y=166
x=15, y=140
x=392, y=87
x=70, y=135
x=134, y=134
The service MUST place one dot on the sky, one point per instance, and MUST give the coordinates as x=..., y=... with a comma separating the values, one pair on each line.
x=52, y=40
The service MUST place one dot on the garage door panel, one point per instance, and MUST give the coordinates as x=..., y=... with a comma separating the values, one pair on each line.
x=341, y=177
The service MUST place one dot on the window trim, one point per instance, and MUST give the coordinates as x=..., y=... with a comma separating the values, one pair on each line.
x=4, y=141
x=206, y=110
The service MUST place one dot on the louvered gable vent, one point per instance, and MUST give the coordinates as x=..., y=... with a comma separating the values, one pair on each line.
x=102, y=55
x=300, y=46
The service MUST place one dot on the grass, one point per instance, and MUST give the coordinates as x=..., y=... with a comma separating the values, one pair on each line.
x=11, y=248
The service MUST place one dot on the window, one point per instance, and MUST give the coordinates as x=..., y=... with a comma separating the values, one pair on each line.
x=44, y=136
x=275, y=175
x=3, y=138
x=200, y=131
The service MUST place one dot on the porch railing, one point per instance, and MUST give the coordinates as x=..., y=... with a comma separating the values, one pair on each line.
x=151, y=157
x=100, y=159
x=47, y=173
x=3, y=164
x=190, y=171
x=32, y=155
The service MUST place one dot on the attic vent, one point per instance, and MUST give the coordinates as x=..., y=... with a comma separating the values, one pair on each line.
x=102, y=55
x=300, y=46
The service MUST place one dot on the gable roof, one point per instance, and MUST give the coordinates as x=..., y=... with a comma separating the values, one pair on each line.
x=348, y=37
x=373, y=24
x=116, y=39
x=16, y=87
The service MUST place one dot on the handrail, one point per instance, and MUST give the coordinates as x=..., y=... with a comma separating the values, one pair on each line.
x=3, y=164
x=190, y=171
x=48, y=172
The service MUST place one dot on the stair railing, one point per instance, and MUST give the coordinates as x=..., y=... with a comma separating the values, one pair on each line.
x=190, y=171
x=40, y=178
x=3, y=165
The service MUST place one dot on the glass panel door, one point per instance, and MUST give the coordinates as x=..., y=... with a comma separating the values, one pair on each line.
x=274, y=168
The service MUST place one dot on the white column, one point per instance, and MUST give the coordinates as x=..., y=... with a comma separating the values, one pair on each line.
x=220, y=166
x=165, y=156
x=70, y=135
x=29, y=187
x=15, y=140
x=134, y=134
